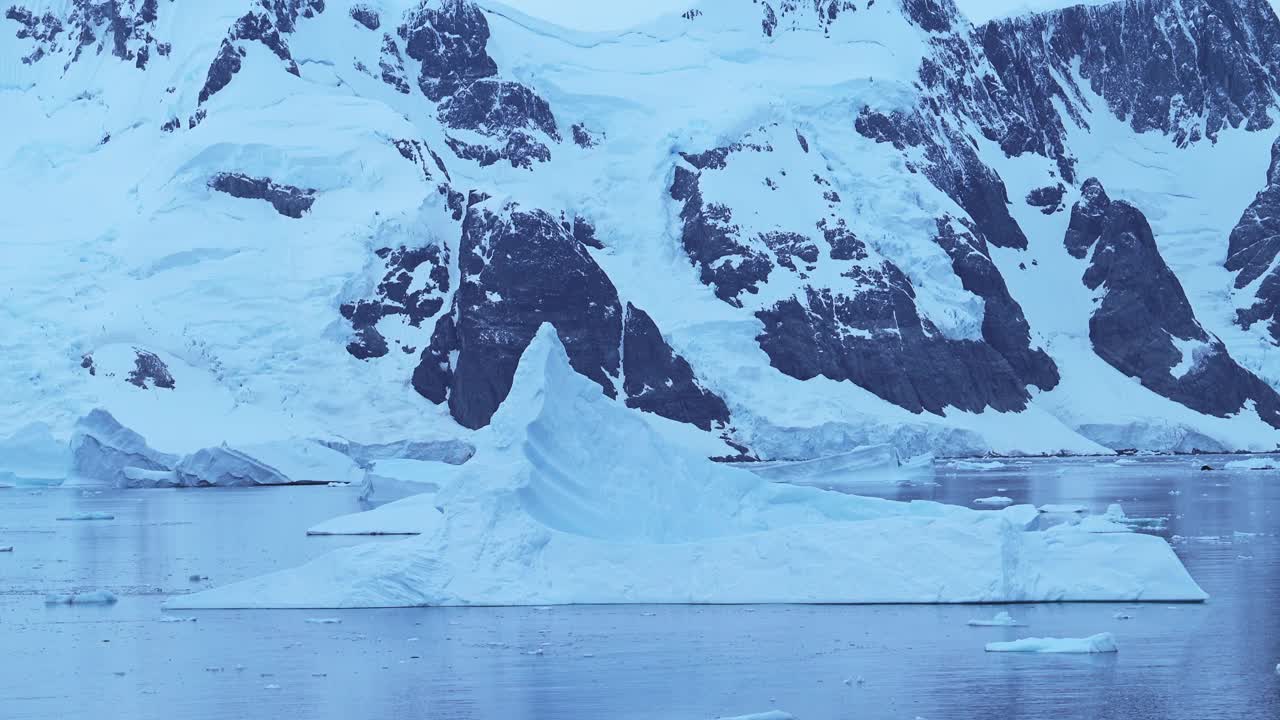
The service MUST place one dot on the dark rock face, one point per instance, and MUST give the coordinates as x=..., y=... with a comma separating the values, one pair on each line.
x=366, y=16
x=520, y=269
x=1252, y=248
x=123, y=27
x=867, y=330
x=268, y=25
x=449, y=39
x=1202, y=63
x=288, y=200
x=953, y=166
x=1144, y=310
x=147, y=368
x=584, y=138
x=391, y=63
x=414, y=285
x=1048, y=198
x=875, y=338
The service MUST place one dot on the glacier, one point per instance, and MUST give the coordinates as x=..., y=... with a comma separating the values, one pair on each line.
x=539, y=517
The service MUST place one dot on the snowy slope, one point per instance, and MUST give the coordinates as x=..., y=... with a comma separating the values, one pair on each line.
x=797, y=226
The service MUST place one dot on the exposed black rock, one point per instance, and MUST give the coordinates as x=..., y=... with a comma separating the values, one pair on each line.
x=1169, y=65
x=1144, y=311
x=1048, y=198
x=1004, y=327
x=267, y=24
x=124, y=27
x=1252, y=249
x=366, y=16
x=953, y=166
x=497, y=108
x=393, y=296
x=418, y=153
x=523, y=268
x=86, y=362
x=147, y=368
x=448, y=37
x=391, y=63
x=520, y=150
x=288, y=200
x=845, y=245
x=582, y=137
x=659, y=381
x=876, y=339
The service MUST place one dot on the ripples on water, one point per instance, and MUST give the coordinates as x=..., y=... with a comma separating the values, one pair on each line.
x=1193, y=662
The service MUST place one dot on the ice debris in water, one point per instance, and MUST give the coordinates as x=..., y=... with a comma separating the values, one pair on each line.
x=1100, y=643
x=1122, y=615
x=1078, y=509
x=1253, y=464
x=96, y=597
x=1001, y=619
x=994, y=501
x=972, y=465
x=89, y=516
x=176, y=619
x=6, y=548
x=198, y=578
x=770, y=715
x=324, y=621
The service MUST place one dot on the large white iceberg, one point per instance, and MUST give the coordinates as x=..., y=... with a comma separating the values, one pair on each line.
x=102, y=448
x=572, y=498
x=32, y=455
x=861, y=465
x=274, y=463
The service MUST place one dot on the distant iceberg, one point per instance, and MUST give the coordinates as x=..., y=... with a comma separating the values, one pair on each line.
x=1100, y=643
x=572, y=498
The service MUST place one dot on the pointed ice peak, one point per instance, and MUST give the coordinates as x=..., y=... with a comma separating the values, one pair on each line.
x=544, y=370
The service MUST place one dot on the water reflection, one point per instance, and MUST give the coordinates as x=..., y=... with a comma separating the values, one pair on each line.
x=1187, y=661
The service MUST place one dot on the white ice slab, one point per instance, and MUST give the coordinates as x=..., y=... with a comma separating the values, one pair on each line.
x=1100, y=643
x=548, y=513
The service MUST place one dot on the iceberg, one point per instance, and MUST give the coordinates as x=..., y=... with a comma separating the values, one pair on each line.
x=395, y=478
x=286, y=462
x=102, y=448
x=1001, y=619
x=1253, y=464
x=573, y=498
x=861, y=465
x=96, y=597
x=994, y=501
x=32, y=456
x=1100, y=643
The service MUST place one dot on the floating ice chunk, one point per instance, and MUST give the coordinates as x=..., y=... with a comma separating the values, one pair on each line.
x=1175, y=492
x=769, y=715
x=1259, y=463
x=1100, y=643
x=324, y=621
x=975, y=465
x=271, y=686
x=1122, y=615
x=88, y=516
x=285, y=462
x=539, y=517
x=1063, y=509
x=177, y=618
x=6, y=548
x=1126, y=461
x=96, y=597
x=994, y=501
x=1001, y=619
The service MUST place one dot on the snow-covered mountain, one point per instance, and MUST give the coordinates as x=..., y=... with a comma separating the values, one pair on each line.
x=774, y=228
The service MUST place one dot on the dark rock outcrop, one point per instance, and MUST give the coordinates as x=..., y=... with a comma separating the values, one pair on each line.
x=147, y=368
x=1144, y=315
x=520, y=269
x=1252, y=250
x=1048, y=198
x=414, y=285
x=288, y=200
x=267, y=24
x=366, y=16
x=125, y=28
x=1174, y=66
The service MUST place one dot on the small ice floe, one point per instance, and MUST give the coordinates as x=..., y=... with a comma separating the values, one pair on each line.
x=648, y=614
x=6, y=548
x=88, y=516
x=214, y=669
x=324, y=621
x=1244, y=557
x=339, y=484
x=197, y=578
x=974, y=465
x=1175, y=492
x=1063, y=509
x=1001, y=619
x=176, y=618
x=1125, y=461
x=1253, y=464
x=994, y=501
x=770, y=715
x=96, y=597
x=1100, y=643
x=1278, y=668
x=271, y=686
x=1122, y=615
